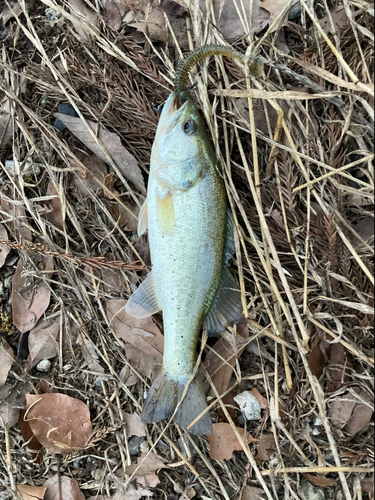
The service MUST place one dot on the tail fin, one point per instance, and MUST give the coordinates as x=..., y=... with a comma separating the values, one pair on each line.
x=165, y=394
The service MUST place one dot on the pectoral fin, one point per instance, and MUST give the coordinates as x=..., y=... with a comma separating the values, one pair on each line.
x=144, y=302
x=166, y=215
x=143, y=219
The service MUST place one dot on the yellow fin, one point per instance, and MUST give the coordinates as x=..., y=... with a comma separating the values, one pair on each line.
x=166, y=215
x=143, y=219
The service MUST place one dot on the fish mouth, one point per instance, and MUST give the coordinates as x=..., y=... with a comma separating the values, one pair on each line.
x=171, y=107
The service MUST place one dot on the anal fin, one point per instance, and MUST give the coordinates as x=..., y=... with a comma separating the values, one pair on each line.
x=144, y=302
x=226, y=308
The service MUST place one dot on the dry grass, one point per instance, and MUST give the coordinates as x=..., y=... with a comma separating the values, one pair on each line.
x=298, y=169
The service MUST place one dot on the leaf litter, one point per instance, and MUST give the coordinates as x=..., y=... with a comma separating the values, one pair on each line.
x=121, y=83
x=60, y=423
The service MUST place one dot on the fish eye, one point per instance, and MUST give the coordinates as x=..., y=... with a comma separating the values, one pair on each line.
x=190, y=127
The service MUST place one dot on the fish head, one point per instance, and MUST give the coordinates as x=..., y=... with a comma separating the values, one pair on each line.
x=182, y=152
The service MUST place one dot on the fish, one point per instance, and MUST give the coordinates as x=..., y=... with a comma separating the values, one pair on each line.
x=190, y=232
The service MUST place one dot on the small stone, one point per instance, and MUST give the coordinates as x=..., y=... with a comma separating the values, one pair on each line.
x=144, y=447
x=249, y=405
x=134, y=443
x=44, y=366
x=318, y=421
x=310, y=492
x=186, y=446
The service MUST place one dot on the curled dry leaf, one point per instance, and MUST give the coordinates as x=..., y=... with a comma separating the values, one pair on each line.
x=60, y=423
x=223, y=441
x=31, y=492
x=252, y=493
x=144, y=342
x=13, y=9
x=55, y=217
x=44, y=341
x=30, y=295
x=6, y=360
x=320, y=480
x=3, y=250
x=124, y=161
x=69, y=488
x=145, y=469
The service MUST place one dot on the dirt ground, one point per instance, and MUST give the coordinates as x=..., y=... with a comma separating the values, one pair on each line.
x=81, y=88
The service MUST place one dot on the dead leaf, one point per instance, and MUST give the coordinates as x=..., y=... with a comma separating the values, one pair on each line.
x=124, y=218
x=128, y=377
x=320, y=480
x=8, y=409
x=132, y=493
x=223, y=441
x=134, y=425
x=261, y=399
x=3, y=250
x=32, y=443
x=69, y=488
x=265, y=447
x=89, y=354
x=352, y=410
x=44, y=341
x=339, y=18
x=319, y=354
x=252, y=493
x=338, y=368
x=13, y=10
x=364, y=228
x=146, y=466
x=172, y=9
x=30, y=296
x=96, y=169
x=124, y=161
x=362, y=411
x=31, y=492
x=367, y=485
x=230, y=350
x=275, y=7
x=60, y=423
x=144, y=342
x=6, y=360
x=113, y=15
x=55, y=217
x=6, y=124
x=17, y=222
x=230, y=22
x=85, y=19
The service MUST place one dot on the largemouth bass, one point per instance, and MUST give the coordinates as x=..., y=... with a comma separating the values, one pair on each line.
x=191, y=241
